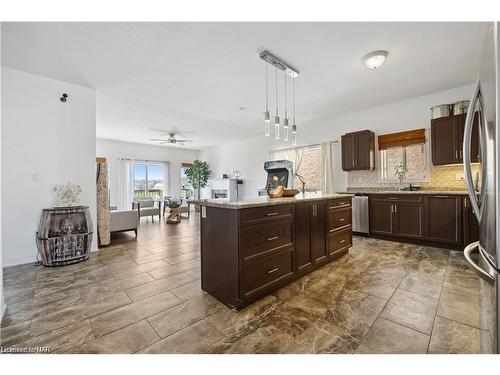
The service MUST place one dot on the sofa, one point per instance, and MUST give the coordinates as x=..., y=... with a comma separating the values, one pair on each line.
x=123, y=221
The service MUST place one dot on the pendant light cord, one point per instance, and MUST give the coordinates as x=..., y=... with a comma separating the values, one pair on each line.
x=267, y=94
x=276, y=81
x=286, y=111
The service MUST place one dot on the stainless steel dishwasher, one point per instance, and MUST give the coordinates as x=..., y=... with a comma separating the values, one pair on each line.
x=360, y=214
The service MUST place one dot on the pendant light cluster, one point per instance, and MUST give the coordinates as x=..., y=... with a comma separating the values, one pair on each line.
x=287, y=70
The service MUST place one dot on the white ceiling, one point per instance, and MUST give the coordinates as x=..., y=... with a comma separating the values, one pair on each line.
x=195, y=77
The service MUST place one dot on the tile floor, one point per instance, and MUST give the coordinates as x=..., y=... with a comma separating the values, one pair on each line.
x=144, y=296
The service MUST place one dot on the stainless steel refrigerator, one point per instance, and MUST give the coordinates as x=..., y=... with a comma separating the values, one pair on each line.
x=483, y=255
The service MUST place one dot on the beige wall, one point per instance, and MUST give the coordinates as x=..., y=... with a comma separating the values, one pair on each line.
x=441, y=178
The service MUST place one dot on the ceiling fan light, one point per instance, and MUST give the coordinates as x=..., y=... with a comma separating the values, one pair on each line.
x=375, y=59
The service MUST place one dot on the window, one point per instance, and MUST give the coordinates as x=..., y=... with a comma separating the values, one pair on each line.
x=310, y=169
x=149, y=179
x=308, y=160
x=414, y=157
x=186, y=188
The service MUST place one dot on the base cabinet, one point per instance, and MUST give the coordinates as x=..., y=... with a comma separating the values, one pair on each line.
x=445, y=220
x=248, y=253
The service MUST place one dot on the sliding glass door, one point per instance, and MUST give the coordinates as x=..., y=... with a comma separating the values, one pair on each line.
x=149, y=180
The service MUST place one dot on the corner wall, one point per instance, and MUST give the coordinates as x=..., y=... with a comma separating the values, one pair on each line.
x=35, y=158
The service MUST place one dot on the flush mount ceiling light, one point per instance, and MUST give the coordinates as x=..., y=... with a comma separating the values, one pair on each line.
x=375, y=59
x=287, y=69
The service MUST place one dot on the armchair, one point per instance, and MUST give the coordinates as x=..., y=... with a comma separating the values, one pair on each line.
x=146, y=207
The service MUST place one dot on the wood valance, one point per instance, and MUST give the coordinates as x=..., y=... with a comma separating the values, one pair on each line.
x=402, y=139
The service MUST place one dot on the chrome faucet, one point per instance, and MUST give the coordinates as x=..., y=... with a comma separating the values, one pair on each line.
x=303, y=183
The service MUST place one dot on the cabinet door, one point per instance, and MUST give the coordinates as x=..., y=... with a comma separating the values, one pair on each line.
x=318, y=233
x=303, y=248
x=471, y=226
x=381, y=218
x=474, y=143
x=408, y=220
x=348, y=151
x=363, y=151
x=443, y=218
x=444, y=140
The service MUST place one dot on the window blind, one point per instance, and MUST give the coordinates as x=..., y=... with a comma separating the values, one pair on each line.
x=401, y=139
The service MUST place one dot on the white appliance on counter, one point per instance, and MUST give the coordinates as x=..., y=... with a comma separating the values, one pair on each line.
x=224, y=188
x=483, y=255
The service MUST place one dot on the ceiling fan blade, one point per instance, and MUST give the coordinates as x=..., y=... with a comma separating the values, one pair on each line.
x=183, y=140
x=157, y=140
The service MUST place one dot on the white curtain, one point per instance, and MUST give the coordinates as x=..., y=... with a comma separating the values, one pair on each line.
x=326, y=162
x=125, y=184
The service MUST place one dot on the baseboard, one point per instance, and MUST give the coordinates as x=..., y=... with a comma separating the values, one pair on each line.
x=17, y=261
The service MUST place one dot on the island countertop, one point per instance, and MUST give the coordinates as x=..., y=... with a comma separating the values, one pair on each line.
x=265, y=201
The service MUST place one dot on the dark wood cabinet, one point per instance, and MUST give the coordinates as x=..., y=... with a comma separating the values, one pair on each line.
x=381, y=218
x=396, y=215
x=408, y=219
x=443, y=218
x=470, y=224
x=358, y=150
x=310, y=234
x=447, y=135
x=247, y=253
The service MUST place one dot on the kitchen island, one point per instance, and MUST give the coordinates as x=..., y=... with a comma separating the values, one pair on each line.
x=250, y=248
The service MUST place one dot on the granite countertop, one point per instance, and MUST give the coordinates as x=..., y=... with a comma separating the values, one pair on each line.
x=378, y=191
x=265, y=201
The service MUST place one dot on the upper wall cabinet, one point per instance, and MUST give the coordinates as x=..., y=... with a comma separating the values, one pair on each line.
x=358, y=151
x=447, y=134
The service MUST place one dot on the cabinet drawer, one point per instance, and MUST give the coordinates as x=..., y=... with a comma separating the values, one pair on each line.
x=258, y=240
x=265, y=272
x=338, y=203
x=258, y=215
x=339, y=218
x=397, y=197
x=339, y=241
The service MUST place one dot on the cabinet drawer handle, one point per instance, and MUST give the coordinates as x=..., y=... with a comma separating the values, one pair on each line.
x=331, y=230
x=393, y=198
x=272, y=238
x=341, y=241
x=273, y=270
x=271, y=214
x=343, y=219
x=441, y=196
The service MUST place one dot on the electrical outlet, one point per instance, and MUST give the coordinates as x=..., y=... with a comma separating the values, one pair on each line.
x=35, y=176
x=460, y=177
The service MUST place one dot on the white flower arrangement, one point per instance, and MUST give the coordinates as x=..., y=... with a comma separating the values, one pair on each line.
x=67, y=195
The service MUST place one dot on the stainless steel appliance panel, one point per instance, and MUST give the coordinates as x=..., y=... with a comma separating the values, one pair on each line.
x=360, y=214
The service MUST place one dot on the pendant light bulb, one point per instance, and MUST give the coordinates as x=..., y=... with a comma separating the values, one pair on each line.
x=285, y=121
x=277, y=117
x=294, y=125
x=267, y=116
x=294, y=135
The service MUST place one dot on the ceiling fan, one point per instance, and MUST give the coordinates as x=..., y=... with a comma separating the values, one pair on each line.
x=170, y=140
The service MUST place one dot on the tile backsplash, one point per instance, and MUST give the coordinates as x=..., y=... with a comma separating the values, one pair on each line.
x=443, y=177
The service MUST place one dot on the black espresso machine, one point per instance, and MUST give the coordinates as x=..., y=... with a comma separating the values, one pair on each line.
x=279, y=172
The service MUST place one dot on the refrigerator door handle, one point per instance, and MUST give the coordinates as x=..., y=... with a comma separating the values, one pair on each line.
x=486, y=275
x=477, y=208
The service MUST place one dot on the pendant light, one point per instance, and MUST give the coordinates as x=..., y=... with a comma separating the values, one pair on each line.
x=294, y=125
x=285, y=121
x=277, y=117
x=267, y=117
